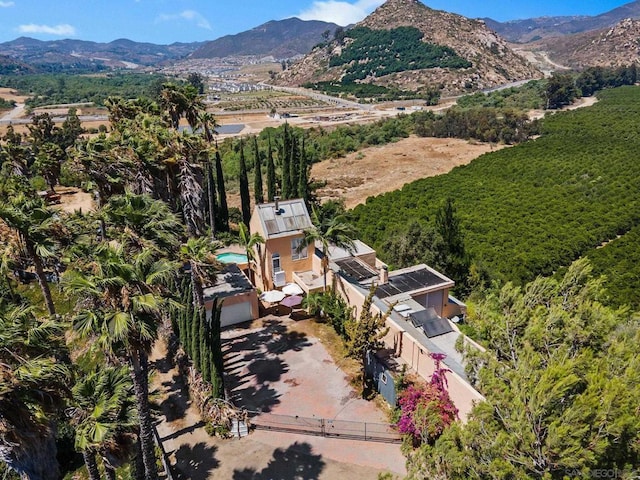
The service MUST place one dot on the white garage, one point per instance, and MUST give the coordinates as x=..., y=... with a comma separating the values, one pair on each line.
x=238, y=295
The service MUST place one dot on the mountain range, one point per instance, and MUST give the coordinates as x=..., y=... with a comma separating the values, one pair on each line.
x=79, y=54
x=528, y=30
x=575, y=41
x=281, y=39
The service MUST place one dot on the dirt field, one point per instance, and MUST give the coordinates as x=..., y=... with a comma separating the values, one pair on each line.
x=10, y=94
x=377, y=170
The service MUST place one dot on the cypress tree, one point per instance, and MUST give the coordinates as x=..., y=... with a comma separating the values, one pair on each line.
x=245, y=196
x=303, y=174
x=204, y=346
x=286, y=169
x=257, y=178
x=187, y=301
x=222, y=195
x=212, y=204
x=217, y=360
x=271, y=174
x=195, y=338
x=294, y=165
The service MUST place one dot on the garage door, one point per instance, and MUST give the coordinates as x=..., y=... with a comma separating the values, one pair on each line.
x=238, y=313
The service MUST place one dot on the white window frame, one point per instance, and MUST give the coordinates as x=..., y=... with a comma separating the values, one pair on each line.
x=276, y=258
x=295, y=255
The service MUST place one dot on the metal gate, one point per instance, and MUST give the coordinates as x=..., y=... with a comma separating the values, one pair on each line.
x=370, y=432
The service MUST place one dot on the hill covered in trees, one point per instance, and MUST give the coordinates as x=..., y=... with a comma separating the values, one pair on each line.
x=455, y=55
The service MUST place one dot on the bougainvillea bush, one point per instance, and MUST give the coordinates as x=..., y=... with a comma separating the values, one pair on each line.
x=426, y=410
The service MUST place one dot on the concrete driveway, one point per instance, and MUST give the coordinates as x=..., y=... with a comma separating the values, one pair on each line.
x=274, y=369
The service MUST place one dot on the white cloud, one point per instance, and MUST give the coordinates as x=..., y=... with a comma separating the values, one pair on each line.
x=189, y=15
x=61, y=30
x=6, y=4
x=339, y=12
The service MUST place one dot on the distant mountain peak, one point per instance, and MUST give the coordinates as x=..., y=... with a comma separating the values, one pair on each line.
x=492, y=60
x=286, y=38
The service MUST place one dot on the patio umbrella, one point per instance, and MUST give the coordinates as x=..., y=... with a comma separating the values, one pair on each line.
x=292, y=289
x=292, y=301
x=272, y=296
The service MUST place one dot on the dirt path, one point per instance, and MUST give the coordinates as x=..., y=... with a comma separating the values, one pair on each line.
x=377, y=170
x=73, y=199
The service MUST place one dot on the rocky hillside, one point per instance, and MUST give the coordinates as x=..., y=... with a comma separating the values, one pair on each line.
x=492, y=61
x=278, y=38
x=533, y=29
x=610, y=47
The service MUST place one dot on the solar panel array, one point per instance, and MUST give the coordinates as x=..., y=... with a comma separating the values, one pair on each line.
x=356, y=268
x=408, y=282
x=291, y=217
x=430, y=322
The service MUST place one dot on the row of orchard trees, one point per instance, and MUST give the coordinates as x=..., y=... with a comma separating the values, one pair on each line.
x=80, y=356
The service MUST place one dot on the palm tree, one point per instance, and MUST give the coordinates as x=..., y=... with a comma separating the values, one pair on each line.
x=32, y=390
x=207, y=121
x=181, y=101
x=120, y=310
x=250, y=242
x=199, y=253
x=141, y=222
x=194, y=106
x=33, y=222
x=174, y=102
x=49, y=162
x=328, y=231
x=102, y=413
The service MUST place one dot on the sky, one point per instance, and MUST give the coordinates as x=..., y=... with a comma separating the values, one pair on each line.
x=169, y=21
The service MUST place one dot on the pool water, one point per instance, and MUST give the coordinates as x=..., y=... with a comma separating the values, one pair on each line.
x=231, y=257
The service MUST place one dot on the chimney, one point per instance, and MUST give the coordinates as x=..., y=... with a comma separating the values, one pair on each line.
x=384, y=275
x=277, y=207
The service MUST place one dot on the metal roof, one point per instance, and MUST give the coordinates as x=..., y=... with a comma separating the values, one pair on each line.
x=291, y=216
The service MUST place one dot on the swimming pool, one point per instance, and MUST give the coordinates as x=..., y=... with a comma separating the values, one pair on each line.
x=231, y=257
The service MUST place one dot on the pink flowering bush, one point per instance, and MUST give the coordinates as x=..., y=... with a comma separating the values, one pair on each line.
x=427, y=410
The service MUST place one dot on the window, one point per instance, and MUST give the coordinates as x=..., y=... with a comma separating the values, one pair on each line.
x=275, y=262
x=295, y=254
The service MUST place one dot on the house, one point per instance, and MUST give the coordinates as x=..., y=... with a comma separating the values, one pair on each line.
x=281, y=224
x=416, y=299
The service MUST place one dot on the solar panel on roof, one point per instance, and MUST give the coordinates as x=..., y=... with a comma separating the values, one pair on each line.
x=408, y=282
x=356, y=268
x=430, y=322
x=289, y=223
x=271, y=226
x=297, y=209
x=301, y=222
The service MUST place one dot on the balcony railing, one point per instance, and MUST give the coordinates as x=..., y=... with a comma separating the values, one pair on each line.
x=279, y=279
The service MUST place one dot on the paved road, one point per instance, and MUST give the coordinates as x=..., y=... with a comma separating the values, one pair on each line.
x=15, y=115
x=341, y=102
